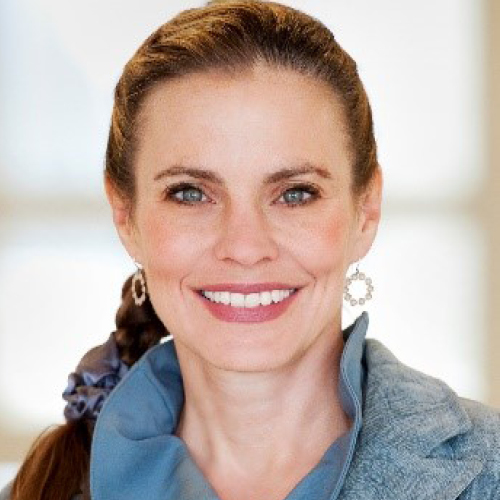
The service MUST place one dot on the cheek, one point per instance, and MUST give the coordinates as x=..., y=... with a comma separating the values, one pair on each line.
x=325, y=245
x=170, y=248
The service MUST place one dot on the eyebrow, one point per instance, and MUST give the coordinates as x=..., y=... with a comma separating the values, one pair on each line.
x=210, y=175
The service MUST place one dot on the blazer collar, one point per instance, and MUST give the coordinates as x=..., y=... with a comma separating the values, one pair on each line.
x=406, y=416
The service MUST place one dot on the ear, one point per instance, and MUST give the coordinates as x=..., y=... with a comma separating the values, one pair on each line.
x=369, y=210
x=122, y=219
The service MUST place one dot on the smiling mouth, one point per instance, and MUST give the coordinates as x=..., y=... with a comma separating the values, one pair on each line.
x=248, y=300
x=248, y=308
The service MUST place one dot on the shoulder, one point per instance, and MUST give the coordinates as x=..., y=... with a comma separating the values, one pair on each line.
x=410, y=414
x=398, y=391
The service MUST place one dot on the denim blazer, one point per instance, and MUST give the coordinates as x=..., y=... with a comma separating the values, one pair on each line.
x=418, y=441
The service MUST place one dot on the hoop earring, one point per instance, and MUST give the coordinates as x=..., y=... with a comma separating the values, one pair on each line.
x=369, y=288
x=139, y=277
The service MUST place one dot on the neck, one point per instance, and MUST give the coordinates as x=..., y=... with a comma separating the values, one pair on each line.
x=256, y=425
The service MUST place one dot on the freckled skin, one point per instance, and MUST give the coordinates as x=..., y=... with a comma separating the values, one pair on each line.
x=244, y=128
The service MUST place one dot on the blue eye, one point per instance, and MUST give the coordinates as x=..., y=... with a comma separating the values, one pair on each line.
x=193, y=198
x=183, y=187
x=299, y=200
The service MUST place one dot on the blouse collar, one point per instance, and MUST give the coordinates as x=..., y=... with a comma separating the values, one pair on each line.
x=134, y=448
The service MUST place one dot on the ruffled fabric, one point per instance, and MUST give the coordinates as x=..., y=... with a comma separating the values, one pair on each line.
x=97, y=374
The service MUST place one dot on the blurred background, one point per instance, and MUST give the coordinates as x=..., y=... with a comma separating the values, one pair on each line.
x=432, y=72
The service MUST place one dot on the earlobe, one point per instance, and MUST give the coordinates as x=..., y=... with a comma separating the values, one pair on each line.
x=121, y=212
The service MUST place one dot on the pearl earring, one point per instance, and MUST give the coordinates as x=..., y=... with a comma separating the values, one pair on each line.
x=369, y=288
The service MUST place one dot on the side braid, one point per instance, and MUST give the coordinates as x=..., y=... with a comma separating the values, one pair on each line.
x=57, y=465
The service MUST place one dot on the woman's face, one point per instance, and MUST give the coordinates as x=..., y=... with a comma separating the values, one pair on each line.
x=238, y=225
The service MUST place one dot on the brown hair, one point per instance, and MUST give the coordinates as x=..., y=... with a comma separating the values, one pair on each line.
x=224, y=35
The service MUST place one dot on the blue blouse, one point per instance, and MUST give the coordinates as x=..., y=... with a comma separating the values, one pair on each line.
x=135, y=453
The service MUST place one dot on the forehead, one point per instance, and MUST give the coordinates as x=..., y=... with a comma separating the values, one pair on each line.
x=260, y=116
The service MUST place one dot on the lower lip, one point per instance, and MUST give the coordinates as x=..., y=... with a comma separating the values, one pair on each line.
x=256, y=314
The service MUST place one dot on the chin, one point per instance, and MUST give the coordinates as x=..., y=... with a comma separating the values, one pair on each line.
x=246, y=357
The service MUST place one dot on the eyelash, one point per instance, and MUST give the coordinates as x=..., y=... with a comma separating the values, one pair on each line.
x=171, y=191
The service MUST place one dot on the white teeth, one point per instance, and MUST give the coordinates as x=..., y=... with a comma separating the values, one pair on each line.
x=250, y=300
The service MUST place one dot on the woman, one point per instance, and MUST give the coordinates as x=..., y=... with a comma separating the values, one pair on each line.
x=254, y=108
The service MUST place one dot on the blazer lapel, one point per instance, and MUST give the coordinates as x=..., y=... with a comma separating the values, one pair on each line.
x=407, y=416
x=402, y=476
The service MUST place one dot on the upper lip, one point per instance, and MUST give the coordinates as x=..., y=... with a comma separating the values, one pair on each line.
x=247, y=287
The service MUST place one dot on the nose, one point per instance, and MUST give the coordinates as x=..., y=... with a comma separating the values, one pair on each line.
x=246, y=236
